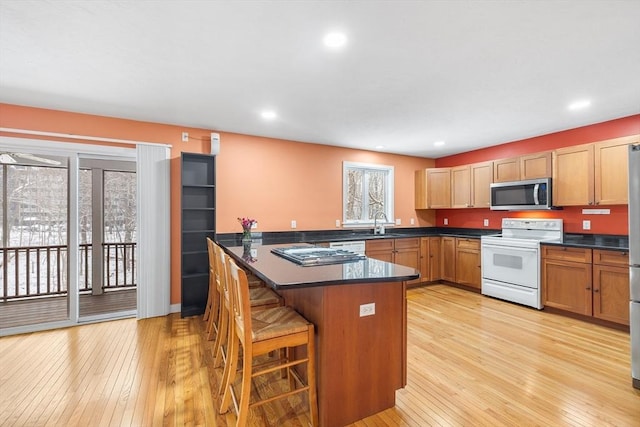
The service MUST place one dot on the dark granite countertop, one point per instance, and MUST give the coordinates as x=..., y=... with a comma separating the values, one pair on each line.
x=594, y=241
x=322, y=236
x=280, y=273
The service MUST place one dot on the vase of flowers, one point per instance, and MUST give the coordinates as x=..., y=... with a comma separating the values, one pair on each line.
x=246, y=224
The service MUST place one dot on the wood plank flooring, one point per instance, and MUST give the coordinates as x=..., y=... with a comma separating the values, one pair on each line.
x=51, y=309
x=472, y=361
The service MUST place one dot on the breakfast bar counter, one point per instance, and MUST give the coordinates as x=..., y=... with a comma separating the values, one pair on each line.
x=360, y=315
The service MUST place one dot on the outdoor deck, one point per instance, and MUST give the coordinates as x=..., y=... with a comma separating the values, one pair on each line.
x=51, y=309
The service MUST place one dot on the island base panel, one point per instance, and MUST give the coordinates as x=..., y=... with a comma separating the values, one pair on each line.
x=361, y=361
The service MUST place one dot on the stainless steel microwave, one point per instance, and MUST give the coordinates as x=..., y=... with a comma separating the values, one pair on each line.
x=532, y=194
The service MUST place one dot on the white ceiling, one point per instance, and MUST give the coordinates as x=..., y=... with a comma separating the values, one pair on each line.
x=471, y=73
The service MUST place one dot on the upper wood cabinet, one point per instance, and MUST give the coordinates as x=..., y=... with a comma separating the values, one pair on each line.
x=611, y=172
x=592, y=174
x=531, y=166
x=470, y=185
x=438, y=184
x=420, y=189
x=573, y=176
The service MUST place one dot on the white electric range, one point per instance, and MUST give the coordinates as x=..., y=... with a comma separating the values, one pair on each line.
x=511, y=260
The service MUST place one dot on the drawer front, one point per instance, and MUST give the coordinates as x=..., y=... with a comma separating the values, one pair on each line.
x=411, y=243
x=379, y=245
x=564, y=253
x=604, y=257
x=463, y=243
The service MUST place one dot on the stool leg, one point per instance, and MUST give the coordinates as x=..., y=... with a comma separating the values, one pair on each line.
x=229, y=374
x=311, y=377
x=221, y=339
x=245, y=394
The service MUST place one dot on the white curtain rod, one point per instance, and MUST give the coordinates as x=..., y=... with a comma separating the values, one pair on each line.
x=88, y=138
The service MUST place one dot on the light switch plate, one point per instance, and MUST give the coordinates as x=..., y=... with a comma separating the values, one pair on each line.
x=586, y=224
x=254, y=225
x=412, y=221
x=485, y=222
x=337, y=223
x=446, y=221
x=294, y=224
x=398, y=221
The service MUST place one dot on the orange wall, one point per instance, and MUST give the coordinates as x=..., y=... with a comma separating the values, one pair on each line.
x=271, y=180
x=615, y=223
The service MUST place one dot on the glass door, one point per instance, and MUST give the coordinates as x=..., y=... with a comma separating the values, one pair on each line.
x=33, y=239
x=107, y=239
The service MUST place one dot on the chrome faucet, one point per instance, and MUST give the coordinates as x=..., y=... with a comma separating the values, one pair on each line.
x=380, y=229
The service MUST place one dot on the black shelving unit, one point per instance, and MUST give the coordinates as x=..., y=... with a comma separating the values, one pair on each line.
x=198, y=207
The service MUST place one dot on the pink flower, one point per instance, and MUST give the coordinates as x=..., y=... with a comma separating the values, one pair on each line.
x=247, y=223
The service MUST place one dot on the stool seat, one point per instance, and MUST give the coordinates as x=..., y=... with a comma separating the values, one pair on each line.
x=275, y=322
x=263, y=296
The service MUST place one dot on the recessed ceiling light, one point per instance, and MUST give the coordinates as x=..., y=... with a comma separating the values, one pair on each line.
x=379, y=147
x=438, y=143
x=268, y=115
x=335, y=40
x=579, y=105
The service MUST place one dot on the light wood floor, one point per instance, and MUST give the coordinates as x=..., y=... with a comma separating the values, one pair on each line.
x=51, y=309
x=473, y=361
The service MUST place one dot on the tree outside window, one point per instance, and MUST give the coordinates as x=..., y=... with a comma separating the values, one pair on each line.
x=367, y=190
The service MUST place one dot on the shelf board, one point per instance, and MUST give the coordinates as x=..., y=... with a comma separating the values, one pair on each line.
x=195, y=252
x=194, y=275
x=198, y=209
x=198, y=186
x=198, y=231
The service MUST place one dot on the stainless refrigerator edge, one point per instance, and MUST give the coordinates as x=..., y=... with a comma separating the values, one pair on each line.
x=634, y=260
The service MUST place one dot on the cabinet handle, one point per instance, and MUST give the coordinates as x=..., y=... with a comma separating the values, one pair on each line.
x=588, y=289
x=596, y=290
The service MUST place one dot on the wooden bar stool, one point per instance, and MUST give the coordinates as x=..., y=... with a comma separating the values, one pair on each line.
x=261, y=298
x=211, y=313
x=260, y=333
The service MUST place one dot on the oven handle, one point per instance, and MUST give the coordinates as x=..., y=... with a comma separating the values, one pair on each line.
x=536, y=189
x=510, y=248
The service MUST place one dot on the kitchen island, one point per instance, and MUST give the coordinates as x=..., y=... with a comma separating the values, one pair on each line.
x=359, y=312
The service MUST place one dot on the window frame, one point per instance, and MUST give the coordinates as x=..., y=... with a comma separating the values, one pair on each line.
x=388, y=198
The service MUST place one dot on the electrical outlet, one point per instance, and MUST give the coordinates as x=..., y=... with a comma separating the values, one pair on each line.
x=446, y=221
x=294, y=224
x=337, y=223
x=185, y=136
x=586, y=224
x=367, y=309
x=398, y=221
x=485, y=222
x=412, y=221
x=254, y=225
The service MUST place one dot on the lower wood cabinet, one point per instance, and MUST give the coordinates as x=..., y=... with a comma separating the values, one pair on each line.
x=588, y=282
x=467, y=265
x=611, y=286
x=430, y=259
x=448, y=268
x=398, y=251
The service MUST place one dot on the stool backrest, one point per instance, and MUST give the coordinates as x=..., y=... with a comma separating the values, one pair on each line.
x=222, y=276
x=212, y=257
x=241, y=305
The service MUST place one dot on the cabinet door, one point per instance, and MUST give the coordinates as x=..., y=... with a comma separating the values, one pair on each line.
x=536, y=165
x=468, y=262
x=380, y=249
x=448, y=265
x=424, y=259
x=611, y=293
x=573, y=176
x=567, y=285
x=506, y=170
x=612, y=172
x=460, y=187
x=438, y=188
x=420, y=196
x=481, y=176
x=435, y=258
x=407, y=253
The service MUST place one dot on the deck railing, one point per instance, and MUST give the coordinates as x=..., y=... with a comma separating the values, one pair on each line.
x=38, y=271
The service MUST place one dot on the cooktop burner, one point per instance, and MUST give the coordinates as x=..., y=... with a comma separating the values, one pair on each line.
x=315, y=255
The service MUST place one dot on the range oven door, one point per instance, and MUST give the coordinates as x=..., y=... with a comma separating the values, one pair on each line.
x=511, y=264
